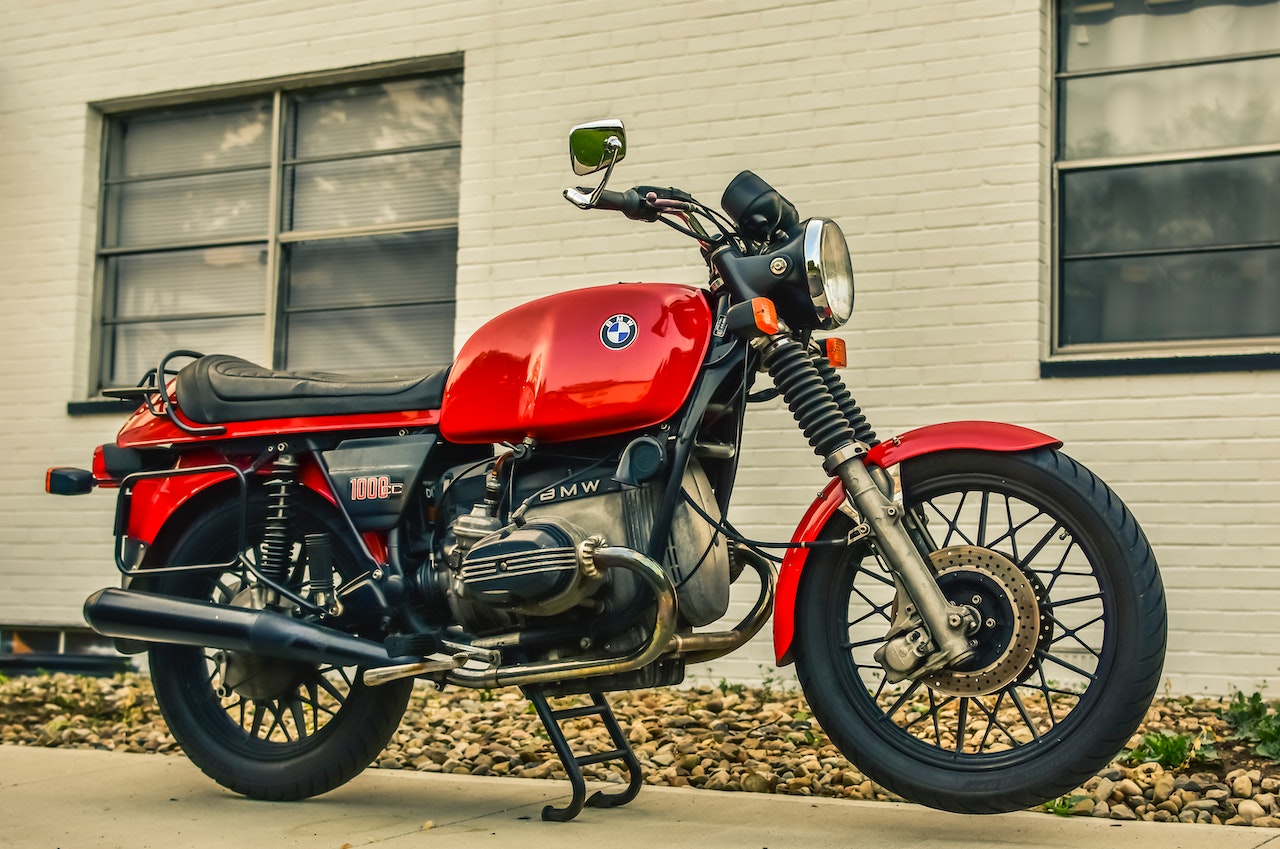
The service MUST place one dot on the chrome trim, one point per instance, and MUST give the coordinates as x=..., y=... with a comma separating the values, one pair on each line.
x=816, y=275
x=544, y=672
x=700, y=648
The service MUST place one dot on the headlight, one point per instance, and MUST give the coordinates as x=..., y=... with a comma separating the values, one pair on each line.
x=829, y=271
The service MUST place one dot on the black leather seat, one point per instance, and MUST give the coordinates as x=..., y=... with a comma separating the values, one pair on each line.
x=220, y=388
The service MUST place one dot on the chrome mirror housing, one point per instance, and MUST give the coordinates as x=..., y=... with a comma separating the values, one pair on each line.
x=597, y=146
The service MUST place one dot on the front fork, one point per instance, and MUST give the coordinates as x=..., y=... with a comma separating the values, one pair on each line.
x=928, y=631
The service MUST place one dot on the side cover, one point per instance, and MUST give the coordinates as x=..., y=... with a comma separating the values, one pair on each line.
x=577, y=365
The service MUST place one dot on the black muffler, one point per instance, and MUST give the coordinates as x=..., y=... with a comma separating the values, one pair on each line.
x=136, y=615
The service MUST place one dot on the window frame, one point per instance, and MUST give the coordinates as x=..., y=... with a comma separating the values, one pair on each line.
x=1170, y=356
x=275, y=312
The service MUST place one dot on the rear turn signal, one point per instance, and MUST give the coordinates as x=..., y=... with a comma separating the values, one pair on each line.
x=64, y=480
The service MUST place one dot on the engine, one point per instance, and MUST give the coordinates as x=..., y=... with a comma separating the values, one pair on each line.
x=541, y=569
x=497, y=573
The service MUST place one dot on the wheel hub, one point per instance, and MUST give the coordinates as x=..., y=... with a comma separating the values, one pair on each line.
x=1008, y=609
x=254, y=676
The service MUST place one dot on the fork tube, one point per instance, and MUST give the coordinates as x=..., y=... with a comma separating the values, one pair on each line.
x=829, y=431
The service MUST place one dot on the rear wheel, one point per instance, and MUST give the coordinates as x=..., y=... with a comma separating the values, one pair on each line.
x=262, y=726
x=1068, y=653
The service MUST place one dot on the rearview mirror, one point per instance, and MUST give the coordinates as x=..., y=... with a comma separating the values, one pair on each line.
x=596, y=146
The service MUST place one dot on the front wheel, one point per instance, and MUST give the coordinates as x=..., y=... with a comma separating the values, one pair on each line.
x=1068, y=652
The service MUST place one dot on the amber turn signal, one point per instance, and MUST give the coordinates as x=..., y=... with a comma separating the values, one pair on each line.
x=64, y=480
x=766, y=315
x=835, y=352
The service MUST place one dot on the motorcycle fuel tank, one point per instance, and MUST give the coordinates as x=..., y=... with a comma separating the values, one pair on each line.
x=577, y=365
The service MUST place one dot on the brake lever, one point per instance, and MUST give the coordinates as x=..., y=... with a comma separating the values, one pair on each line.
x=667, y=204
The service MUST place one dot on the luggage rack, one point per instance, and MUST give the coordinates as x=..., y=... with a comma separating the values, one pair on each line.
x=151, y=392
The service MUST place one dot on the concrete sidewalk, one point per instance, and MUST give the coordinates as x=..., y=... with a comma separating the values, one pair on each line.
x=82, y=799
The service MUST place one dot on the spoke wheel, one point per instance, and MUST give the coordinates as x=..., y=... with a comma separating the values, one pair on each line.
x=1068, y=651
x=262, y=726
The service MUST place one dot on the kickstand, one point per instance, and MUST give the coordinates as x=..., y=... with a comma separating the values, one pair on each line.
x=573, y=764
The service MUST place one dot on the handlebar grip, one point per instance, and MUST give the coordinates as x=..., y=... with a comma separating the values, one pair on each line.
x=630, y=203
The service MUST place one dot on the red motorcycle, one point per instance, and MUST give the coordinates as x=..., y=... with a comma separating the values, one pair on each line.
x=976, y=620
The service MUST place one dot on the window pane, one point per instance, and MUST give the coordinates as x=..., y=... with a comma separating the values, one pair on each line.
x=1172, y=205
x=387, y=116
x=1196, y=108
x=395, y=268
x=1229, y=294
x=210, y=280
x=210, y=137
x=188, y=209
x=385, y=340
x=139, y=347
x=1133, y=33
x=380, y=190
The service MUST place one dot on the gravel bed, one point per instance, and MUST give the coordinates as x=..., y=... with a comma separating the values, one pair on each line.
x=736, y=739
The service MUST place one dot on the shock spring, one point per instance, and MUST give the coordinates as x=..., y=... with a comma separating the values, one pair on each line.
x=808, y=396
x=276, y=544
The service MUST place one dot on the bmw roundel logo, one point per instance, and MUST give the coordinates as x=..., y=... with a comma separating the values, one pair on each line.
x=618, y=332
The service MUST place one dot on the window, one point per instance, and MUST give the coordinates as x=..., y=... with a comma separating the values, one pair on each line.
x=1167, y=178
x=302, y=228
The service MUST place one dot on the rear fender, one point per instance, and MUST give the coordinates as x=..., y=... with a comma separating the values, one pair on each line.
x=154, y=502
x=949, y=436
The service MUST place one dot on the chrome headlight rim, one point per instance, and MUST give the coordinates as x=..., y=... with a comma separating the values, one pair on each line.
x=829, y=272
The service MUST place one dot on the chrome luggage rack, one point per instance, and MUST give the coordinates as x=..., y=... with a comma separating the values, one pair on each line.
x=152, y=391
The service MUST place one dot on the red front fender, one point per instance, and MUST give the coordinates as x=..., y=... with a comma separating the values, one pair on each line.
x=950, y=436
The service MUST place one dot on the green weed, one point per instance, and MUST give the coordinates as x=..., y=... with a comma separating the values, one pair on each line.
x=1061, y=806
x=1256, y=722
x=1173, y=751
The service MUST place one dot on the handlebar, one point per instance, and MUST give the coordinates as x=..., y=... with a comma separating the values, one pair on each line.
x=630, y=203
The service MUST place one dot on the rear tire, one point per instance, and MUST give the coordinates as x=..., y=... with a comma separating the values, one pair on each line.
x=268, y=728
x=1069, y=653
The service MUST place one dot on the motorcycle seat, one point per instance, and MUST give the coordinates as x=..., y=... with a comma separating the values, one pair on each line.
x=220, y=388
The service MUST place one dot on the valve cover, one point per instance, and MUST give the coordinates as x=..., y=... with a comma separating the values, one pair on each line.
x=534, y=568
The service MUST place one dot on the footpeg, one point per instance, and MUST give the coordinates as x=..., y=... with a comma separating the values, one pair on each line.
x=386, y=674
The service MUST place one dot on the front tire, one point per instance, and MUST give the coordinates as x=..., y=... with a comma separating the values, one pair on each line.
x=265, y=727
x=1069, y=653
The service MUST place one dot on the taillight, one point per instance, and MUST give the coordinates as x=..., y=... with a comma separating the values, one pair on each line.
x=100, y=472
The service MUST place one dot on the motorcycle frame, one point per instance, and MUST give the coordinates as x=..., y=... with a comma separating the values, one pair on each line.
x=150, y=500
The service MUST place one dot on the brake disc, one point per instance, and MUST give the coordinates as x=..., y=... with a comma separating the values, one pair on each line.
x=1009, y=614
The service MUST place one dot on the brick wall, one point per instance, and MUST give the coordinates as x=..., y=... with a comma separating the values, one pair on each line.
x=923, y=129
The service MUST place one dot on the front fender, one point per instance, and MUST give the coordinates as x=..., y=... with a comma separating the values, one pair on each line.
x=949, y=436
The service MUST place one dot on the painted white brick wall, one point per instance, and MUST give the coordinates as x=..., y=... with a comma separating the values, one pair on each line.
x=924, y=129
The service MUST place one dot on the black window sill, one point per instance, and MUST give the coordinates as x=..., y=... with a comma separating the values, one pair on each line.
x=100, y=406
x=1159, y=365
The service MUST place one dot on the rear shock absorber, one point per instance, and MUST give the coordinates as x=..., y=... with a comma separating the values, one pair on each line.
x=808, y=396
x=277, y=546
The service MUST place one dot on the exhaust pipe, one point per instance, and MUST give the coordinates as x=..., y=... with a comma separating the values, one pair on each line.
x=137, y=615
